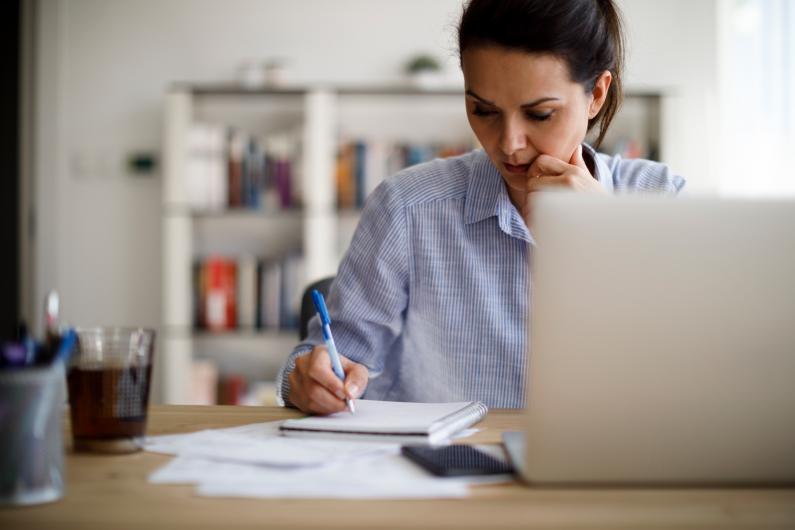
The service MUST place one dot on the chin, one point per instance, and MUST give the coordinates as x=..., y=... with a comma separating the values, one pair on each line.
x=515, y=182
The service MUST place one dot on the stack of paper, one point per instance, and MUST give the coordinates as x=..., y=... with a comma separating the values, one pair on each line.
x=254, y=461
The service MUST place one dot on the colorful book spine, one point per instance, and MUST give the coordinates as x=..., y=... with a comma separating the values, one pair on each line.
x=220, y=298
x=232, y=389
x=204, y=382
x=359, y=172
x=345, y=177
x=230, y=168
x=235, y=149
x=362, y=165
x=248, y=293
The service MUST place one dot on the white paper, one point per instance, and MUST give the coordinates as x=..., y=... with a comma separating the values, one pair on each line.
x=260, y=444
x=382, y=476
x=255, y=461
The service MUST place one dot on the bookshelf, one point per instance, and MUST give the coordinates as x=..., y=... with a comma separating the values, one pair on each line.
x=313, y=123
x=317, y=121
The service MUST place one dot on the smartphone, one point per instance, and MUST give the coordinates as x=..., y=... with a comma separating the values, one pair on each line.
x=455, y=460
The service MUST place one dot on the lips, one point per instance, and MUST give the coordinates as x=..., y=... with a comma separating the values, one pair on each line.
x=520, y=169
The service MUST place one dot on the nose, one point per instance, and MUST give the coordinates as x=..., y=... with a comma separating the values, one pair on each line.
x=513, y=137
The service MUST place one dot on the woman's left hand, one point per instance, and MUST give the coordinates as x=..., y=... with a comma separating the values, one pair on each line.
x=548, y=173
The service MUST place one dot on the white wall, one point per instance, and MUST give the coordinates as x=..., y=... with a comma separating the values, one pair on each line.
x=673, y=45
x=104, y=66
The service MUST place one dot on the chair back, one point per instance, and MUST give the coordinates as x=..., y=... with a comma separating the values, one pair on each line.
x=307, y=307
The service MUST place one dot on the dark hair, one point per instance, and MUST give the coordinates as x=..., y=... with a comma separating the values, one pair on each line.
x=587, y=34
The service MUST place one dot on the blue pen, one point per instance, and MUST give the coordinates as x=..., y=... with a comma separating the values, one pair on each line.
x=30, y=350
x=66, y=347
x=336, y=365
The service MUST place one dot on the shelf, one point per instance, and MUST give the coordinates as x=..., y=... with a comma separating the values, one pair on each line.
x=243, y=213
x=235, y=90
x=231, y=213
x=258, y=354
x=236, y=233
x=246, y=334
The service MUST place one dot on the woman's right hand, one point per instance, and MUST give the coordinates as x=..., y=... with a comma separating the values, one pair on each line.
x=314, y=388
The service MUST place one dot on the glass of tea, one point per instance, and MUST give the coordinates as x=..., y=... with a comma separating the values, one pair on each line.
x=109, y=380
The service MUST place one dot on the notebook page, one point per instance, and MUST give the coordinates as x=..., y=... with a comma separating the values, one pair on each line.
x=381, y=417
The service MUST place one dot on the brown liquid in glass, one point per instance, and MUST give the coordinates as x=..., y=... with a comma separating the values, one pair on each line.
x=108, y=403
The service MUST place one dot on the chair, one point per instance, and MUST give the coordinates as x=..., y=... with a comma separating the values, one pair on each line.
x=308, y=307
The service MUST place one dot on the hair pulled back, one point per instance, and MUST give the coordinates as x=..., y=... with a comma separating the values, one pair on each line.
x=586, y=34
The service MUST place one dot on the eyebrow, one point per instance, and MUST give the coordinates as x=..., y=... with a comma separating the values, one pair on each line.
x=523, y=105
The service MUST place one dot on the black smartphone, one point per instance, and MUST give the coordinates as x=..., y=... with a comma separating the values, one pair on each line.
x=455, y=460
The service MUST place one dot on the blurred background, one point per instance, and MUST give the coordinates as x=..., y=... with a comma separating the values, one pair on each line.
x=191, y=165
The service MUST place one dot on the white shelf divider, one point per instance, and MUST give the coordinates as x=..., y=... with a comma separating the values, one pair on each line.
x=319, y=151
x=175, y=347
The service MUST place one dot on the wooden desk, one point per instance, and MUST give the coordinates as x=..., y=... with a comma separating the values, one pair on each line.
x=111, y=492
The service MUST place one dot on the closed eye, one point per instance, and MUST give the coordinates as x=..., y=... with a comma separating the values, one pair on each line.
x=480, y=111
x=535, y=116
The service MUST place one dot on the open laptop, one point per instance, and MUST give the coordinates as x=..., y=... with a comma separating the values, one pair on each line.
x=662, y=342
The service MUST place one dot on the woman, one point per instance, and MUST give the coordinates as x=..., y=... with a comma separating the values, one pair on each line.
x=430, y=302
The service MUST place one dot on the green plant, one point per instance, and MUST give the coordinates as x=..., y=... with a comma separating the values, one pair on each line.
x=422, y=63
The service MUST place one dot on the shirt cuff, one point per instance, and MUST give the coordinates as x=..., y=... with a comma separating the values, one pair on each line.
x=283, y=379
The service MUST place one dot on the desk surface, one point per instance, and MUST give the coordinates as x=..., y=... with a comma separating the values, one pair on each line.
x=105, y=492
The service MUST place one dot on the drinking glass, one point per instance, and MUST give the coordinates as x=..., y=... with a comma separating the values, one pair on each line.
x=109, y=380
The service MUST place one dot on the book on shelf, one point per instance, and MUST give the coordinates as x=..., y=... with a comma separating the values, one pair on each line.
x=220, y=294
x=206, y=172
x=270, y=294
x=247, y=293
x=634, y=148
x=230, y=168
x=204, y=382
x=363, y=164
x=232, y=389
x=208, y=386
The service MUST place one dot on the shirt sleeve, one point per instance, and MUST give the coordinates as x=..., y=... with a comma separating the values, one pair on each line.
x=638, y=175
x=368, y=298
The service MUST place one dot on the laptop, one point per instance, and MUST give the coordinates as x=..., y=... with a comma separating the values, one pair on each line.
x=662, y=346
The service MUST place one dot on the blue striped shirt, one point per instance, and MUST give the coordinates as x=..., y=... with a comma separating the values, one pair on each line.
x=431, y=295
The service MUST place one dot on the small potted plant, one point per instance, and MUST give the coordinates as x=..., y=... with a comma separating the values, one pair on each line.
x=424, y=71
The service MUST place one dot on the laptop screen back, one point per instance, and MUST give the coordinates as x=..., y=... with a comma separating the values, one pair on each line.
x=662, y=341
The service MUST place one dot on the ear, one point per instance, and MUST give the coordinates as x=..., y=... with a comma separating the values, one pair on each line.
x=599, y=93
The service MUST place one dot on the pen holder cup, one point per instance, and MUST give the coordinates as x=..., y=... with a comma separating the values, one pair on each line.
x=31, y=435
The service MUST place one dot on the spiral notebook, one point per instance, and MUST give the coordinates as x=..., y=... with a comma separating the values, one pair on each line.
x=391, y=421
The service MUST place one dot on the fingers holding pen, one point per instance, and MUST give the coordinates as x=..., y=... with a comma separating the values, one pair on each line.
x=315, y=388
x=356, y=378
x=311, y=397
x=320, y=371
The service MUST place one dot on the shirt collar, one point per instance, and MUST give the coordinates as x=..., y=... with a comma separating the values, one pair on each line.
x=487, y=197
x=601, y=170
x=484, y=190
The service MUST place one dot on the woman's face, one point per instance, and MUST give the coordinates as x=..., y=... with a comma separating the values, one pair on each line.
x=521, y=105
